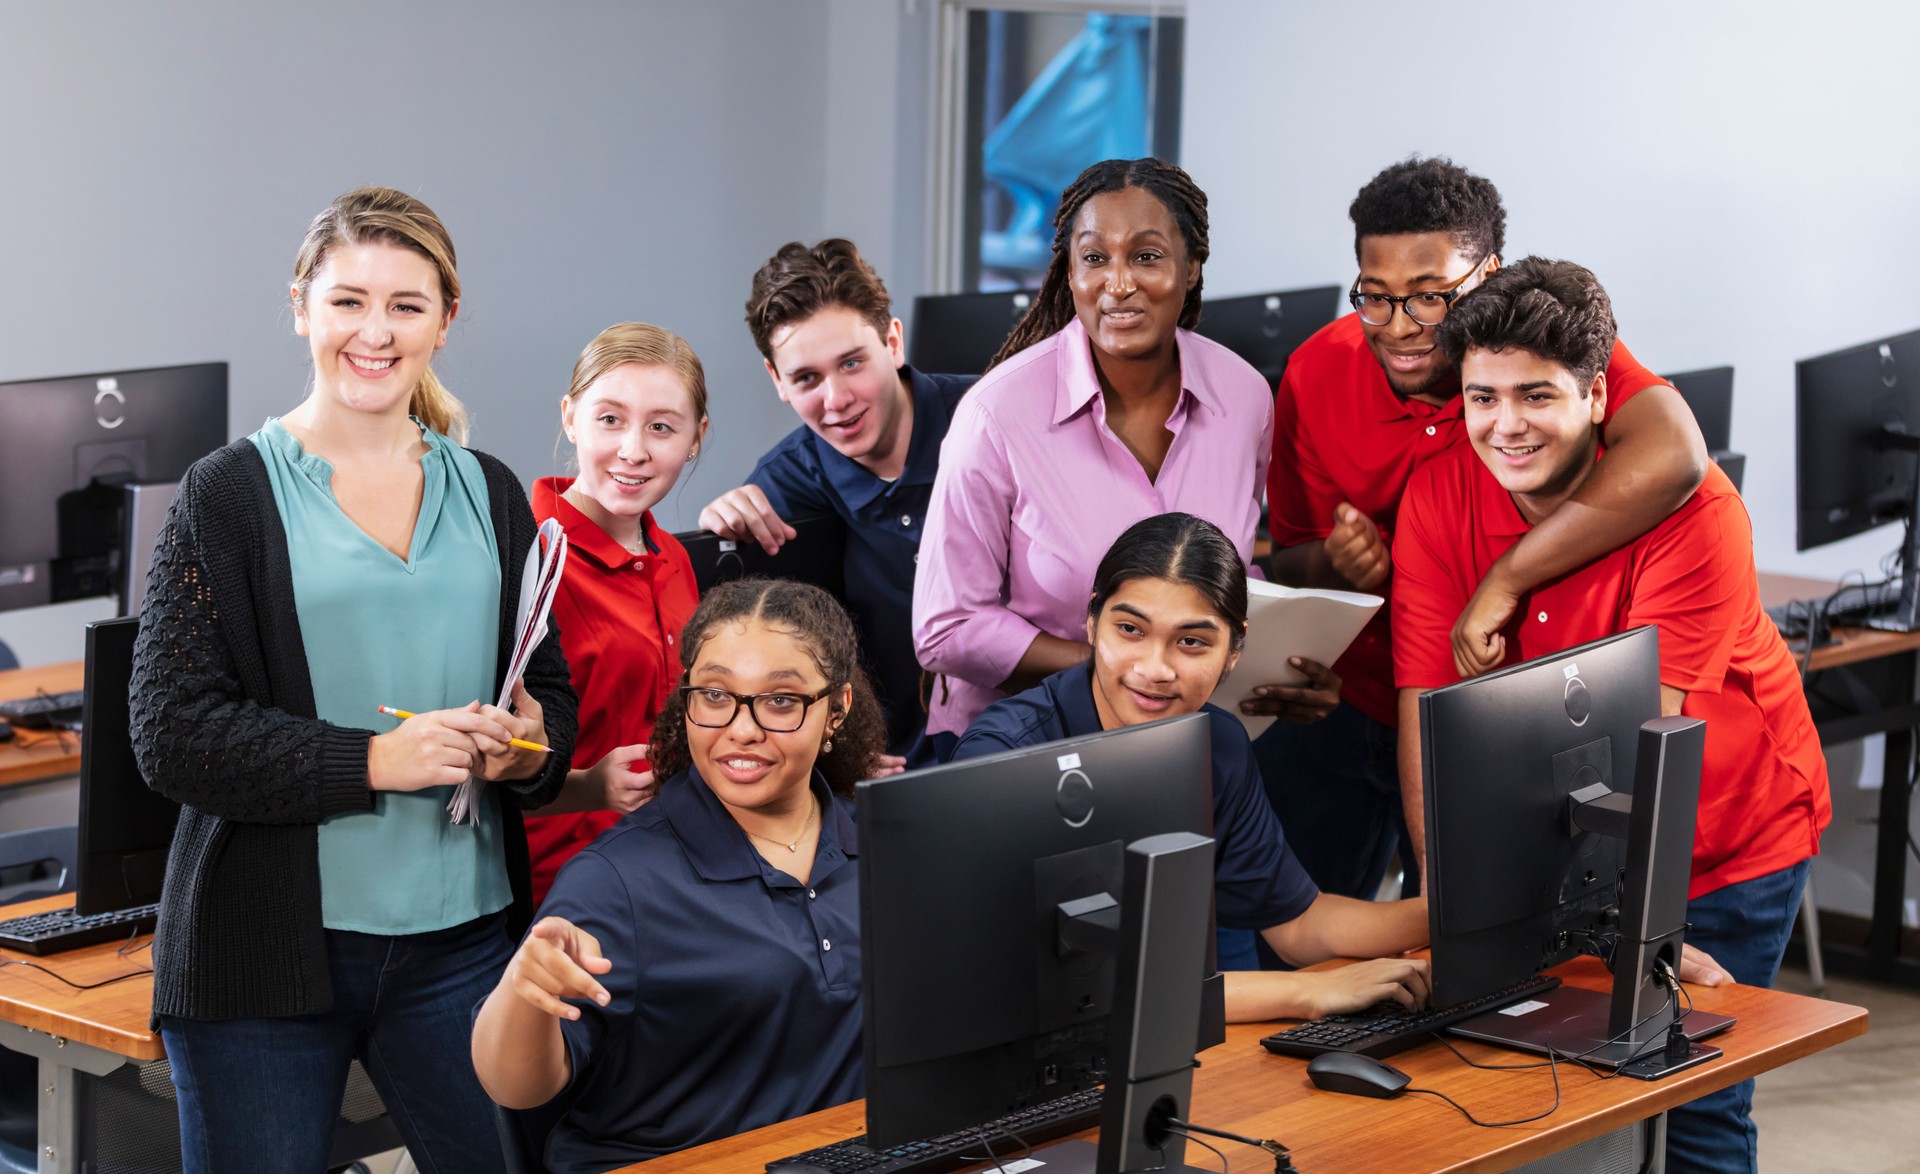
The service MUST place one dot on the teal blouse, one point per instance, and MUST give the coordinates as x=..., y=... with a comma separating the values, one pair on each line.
x=418, y=633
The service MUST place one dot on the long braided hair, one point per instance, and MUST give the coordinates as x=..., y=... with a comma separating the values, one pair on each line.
x=1052, y=307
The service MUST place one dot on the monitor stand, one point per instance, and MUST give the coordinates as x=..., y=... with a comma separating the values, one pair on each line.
x=1571, y=1023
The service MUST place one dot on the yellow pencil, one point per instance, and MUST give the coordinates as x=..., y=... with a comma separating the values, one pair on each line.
x=520, y=742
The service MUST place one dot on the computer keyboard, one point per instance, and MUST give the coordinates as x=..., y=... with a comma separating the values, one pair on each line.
x=60, y=929
x=1386, y=1028
x=969, y=1146
x=43, y=712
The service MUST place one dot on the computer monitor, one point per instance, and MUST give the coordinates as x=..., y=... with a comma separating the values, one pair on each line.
x=972, y=861
x=816, y=554
x=1265, y=329
x=958, y=334
x=69, y=447
x=1856, y=446
x=1560, y=814
x=125, y=827
x=1709, y=393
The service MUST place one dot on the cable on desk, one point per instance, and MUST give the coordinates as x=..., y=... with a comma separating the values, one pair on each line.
x=1026, y=1151
x=1282, y=1157
x=78, y=986
x=1197, y=1141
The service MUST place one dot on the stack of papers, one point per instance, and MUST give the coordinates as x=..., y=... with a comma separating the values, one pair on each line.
x=539, y=579
x=1284, y=622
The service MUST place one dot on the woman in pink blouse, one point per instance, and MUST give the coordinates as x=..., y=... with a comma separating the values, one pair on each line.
x=1102, y=408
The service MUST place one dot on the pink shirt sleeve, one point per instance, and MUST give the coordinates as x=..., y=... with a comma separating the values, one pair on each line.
x=962, y=626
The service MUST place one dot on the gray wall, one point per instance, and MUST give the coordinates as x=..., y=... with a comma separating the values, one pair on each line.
x=1744, y=177
x=594, y=162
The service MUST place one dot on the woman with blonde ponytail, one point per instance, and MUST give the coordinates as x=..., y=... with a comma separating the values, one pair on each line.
x=319, y=906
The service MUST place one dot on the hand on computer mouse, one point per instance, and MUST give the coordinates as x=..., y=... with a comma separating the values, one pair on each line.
x=1361, y=985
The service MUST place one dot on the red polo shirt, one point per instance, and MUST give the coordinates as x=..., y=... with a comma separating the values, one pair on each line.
x=1341, y=434
x=620, y=616
x=1763, y=784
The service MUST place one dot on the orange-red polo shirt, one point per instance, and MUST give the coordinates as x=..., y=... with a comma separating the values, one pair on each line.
x=620, y=616
x=1763, y=784
x=1341, y=434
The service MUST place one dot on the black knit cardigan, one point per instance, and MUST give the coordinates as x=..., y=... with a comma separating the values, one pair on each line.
x=223, y=723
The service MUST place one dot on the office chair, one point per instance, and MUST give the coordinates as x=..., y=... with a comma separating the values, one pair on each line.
x=7, y=659
x=52, y=851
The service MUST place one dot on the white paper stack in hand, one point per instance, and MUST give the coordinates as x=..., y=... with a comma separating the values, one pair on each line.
x=538, y=581
x=1285, y=622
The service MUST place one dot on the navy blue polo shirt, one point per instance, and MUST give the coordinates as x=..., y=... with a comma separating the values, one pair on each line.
x=803, y=476
x=1258, y=882
x=735, y=989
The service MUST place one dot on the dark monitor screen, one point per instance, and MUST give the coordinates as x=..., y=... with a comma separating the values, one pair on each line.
x=65, y=447
x=816, y=554
x=1847, y=481
x=958, y=334
x=1514, y=892
x=125, y=828
x=971, y=1009
x=1265, y=329
x=1709, y=393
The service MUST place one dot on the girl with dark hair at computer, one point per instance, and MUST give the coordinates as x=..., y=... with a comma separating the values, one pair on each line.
x=695, y=971
x=1165, y=620
x=319, y=906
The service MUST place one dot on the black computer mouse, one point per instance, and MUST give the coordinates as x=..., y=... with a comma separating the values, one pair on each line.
x=1363, y=1076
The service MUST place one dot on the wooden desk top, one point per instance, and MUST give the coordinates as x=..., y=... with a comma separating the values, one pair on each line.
x=113, y=1017
x=1851, y=645
x=1241, y=1087
x=33, y=755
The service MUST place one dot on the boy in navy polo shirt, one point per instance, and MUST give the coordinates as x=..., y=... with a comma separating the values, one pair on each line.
x=866, y=451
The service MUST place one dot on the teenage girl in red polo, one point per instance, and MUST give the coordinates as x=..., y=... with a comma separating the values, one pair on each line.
x=635, y=414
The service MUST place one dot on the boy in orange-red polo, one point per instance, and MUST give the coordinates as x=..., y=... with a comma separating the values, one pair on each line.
x=1532, y=344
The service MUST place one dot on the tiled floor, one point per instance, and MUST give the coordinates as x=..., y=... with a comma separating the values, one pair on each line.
x=1854, y=1108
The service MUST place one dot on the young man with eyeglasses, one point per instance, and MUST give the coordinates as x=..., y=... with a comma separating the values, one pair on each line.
x=1363, y=403
x=1532, y=346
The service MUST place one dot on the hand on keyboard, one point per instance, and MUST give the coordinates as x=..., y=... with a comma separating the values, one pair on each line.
x=1401, y=981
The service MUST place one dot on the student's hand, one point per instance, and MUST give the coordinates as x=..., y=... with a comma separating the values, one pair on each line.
x=1300, y=704
x=501, y=759
x=557, y=961
x=433, y=749
x=1698, y=967
x=1361, y=985
x=1478, y=646
x=621, y=787
x=1357, y=551
x=745, y=513
x=885, y=765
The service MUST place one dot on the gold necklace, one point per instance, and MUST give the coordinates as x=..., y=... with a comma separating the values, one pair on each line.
x=794, y=847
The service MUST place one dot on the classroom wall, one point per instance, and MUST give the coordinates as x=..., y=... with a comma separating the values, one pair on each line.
x=594, y=162
x=1743, y=177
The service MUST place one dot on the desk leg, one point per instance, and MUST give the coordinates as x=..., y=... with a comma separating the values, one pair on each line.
x=1890, y=854
x=63, y=1064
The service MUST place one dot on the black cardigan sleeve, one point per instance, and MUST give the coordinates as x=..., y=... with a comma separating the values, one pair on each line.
x=201, y=733
x=546, y=676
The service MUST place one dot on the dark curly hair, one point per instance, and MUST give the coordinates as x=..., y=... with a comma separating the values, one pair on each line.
x=818, y=621
x=1431, y=195
x=799, y=281
x=1052, y=306
x=1179, y=548
x=1555, y=309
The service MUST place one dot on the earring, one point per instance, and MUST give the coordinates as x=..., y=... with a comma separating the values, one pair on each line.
x=827, y=746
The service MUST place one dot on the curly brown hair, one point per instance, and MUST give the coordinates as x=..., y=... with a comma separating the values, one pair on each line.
x=1555, y=309
x=799, y=281
x=817, y=620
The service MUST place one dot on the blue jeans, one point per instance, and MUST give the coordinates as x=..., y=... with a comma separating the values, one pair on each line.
x=1745, y=927
x=261, y=1095
x=1335, y=784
